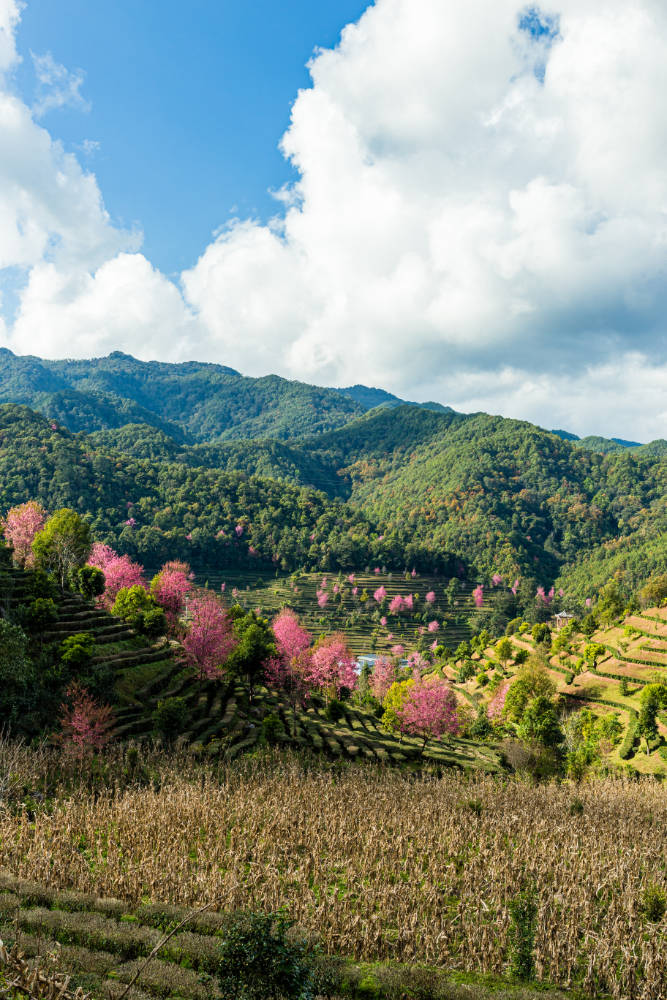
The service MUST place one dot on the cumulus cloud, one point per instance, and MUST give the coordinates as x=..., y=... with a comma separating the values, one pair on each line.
x=480, y=217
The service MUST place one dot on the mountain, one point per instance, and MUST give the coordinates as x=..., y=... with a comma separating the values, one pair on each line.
x=397, y=487
x=369, y=398
x=191, y=402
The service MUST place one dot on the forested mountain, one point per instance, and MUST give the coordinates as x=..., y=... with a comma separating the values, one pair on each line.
x=192, y=402
x=396, y=487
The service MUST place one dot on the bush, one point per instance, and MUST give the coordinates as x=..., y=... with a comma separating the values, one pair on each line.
x=139, y=609
x=90, y=582
x=466, y=671
x=77, y=650
x=261, y=957
x=523, y=914
x=170, y=716
x=334, y=711
x=654, y=903
x=272, y=728
x=39, y=614
x=520, y=656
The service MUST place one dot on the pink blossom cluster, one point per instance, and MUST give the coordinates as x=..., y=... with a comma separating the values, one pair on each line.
x=380, y=594
x=20, y=528
x=433, y=626
x=478, y=595
x=430, y=597
x=119, y=572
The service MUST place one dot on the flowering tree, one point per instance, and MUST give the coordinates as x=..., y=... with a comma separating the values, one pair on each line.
x=496, y=579
x=120, y=572
x=430, y=597
x=322, y=598
x=478, y=596
x=429, y=710
x=287, y=670
x=291, y=637
x=380, y=594
x=382, y=677
x=20, y=528
x=332, y=666
x=170, y=587
x=85, y=724
x=396, y=605
x=433, y=626
x=210, y=638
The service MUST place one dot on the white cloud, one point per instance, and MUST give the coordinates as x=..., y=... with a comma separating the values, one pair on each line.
x=57, y=87
x=480, y=218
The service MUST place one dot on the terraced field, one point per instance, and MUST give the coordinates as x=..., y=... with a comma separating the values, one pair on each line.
x=635, y=655
x=103, y=943
x=221, y=720
x=355, y=614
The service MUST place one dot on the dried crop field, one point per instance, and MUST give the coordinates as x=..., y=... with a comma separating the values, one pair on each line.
x=382, y=865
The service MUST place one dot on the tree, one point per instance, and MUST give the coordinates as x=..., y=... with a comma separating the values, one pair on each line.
x=332, y=666
x=15, y=672
x=210, y=639
x=20, y=527
x=120, y=572
x=393, y=702
x=138, y=608
x=382, y=677
x=287, y=669
x=62, y=546
x=255, y=646
x=654, y=592
x=652, y=698
x=592, y=653
x=90, y=582
x=539, y=723
x=429, y=710
x=532, y=681
x=85, y=724
x=504, y=650
x=170, y=588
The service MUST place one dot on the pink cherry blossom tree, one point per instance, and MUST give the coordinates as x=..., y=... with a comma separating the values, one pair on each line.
x=170, y=588
x=119, y=572
x=20, y=527
x=430, y=597
x=288, y=669
x=380, y=594
x=85, y=724
x=332, y=666
x=429, y=710
x=210, y=638
x=382, y=677
x=396, y=605
x=478, y=596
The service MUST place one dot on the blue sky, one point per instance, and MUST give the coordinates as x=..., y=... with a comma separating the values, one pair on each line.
x=474, y=203
x=188, y=103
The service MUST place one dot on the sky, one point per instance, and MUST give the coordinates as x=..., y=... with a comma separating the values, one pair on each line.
x=464, y=202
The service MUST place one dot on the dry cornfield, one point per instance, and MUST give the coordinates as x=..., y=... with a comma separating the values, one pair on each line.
x=382, y=865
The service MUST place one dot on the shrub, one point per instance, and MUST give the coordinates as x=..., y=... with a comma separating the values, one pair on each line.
x=334, y=711
x=261, y=958
x=654, y=903
x=170, y=716
x=520, y=656
x=272, y=728
x=77, y=650
x=39, y=614
x=523, y=916
x=90, y=582
x=466, y=671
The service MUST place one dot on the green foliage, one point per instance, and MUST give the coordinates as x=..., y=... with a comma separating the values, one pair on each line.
x=504, y=650
x=63, y=545
x=532, y=681
x=466, y=671
x=90, y=582
x=15, y=672
x=654, y=903
x=76, y=651
x=39, y=614
x=592, y=653
x=654, y=592
x=272, y=729
x=541, y=633
x=139, y=609
x=261, y=957
x=539, y=722
x=255, y=645
x=626, y=748
x=334, y=710
x=170, y=716
x=523, y=915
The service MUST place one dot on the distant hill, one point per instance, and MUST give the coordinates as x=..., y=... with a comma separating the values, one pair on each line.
x=370, y=398
x=603, y=445
x=192, y=402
